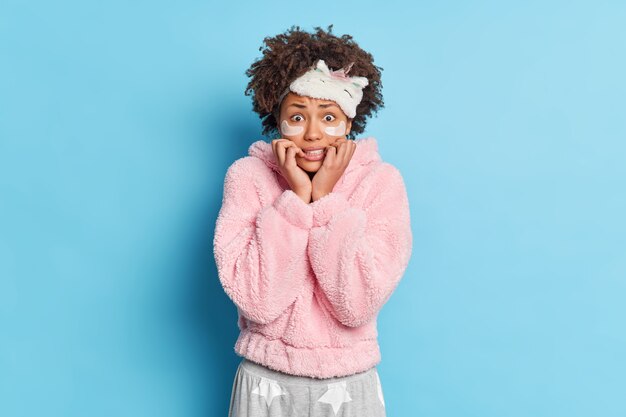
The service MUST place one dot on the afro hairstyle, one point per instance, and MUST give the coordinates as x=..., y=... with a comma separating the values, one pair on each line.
x=289, y=55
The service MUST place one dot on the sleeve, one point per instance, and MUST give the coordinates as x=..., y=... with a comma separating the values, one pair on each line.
x=359, y=254
x=260, y=250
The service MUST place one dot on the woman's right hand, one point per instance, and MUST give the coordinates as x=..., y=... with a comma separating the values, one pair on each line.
x=299, y=181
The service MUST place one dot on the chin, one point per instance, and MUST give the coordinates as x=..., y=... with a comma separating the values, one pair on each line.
x=311, y=170
x=311, y=167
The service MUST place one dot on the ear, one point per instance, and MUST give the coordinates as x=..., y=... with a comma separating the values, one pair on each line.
x=348, y=126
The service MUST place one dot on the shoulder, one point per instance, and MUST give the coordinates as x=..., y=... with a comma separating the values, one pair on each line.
x=382, y=174
x=248, y=167
x=246, y=183
x=382, y=188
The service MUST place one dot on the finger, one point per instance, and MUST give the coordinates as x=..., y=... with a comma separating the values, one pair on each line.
x=275, y=144
x=341, y=150
x=345, y=152
x=331, y=154
x=274, y=147
x=280, y=151
x=291, y=154
x=298, y=151
x=286, y=146
x=337, y=144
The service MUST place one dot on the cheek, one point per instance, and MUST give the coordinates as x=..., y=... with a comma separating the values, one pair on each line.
x=338, y=130
x=289, y=130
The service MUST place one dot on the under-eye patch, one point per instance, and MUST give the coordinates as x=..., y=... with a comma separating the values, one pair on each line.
x=288, y=130
x=338, y=130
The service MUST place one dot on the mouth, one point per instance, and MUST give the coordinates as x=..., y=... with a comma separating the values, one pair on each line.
x=314, y=155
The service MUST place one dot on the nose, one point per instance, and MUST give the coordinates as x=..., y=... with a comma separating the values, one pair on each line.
x=312, y=131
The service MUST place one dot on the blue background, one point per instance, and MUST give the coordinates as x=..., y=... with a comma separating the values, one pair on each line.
x=117, y=123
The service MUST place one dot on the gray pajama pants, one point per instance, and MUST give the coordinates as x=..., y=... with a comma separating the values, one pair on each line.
x=259, y=391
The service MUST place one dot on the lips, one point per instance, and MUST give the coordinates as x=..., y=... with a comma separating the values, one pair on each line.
x=314, y=154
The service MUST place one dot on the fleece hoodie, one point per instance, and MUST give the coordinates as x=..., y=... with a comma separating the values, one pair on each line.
x=309, y=280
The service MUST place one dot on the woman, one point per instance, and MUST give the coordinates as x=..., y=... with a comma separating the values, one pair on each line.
x=313, y=234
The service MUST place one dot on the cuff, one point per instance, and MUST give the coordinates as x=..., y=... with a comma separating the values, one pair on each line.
x=326, y=207
x=294, y=209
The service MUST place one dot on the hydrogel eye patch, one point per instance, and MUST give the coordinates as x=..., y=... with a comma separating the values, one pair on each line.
x=338, y=130
x=289, y=130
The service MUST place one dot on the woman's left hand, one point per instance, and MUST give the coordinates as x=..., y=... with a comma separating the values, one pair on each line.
x=338, y=156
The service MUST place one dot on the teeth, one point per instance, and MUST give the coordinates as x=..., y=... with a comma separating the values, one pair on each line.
x=317, y=152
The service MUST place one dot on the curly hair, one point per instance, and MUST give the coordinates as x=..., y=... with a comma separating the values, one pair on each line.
x=289, y=55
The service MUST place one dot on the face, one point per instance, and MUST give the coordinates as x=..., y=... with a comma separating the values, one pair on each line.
x=312, y=123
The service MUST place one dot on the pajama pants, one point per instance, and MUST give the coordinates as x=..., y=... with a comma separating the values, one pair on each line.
x=259, y=391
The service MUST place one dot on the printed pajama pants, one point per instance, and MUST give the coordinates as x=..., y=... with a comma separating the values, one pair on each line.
x=259, y=391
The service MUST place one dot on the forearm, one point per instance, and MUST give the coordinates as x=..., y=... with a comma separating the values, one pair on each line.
x=262, y=264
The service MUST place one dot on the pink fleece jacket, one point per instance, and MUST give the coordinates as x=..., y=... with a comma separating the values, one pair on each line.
x=308, y=280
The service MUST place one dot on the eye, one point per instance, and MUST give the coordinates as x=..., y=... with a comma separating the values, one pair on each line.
x=294, y=118
x=327, y=117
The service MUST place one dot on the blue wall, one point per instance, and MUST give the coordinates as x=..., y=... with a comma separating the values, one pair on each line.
x=117, y=123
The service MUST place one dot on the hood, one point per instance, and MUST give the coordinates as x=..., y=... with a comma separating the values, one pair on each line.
x=365, y=153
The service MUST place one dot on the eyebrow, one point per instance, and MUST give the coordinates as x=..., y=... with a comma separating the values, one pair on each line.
x=323, y=106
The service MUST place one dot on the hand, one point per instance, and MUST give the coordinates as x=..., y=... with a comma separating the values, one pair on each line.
x=285, y=152
x=338, y=156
